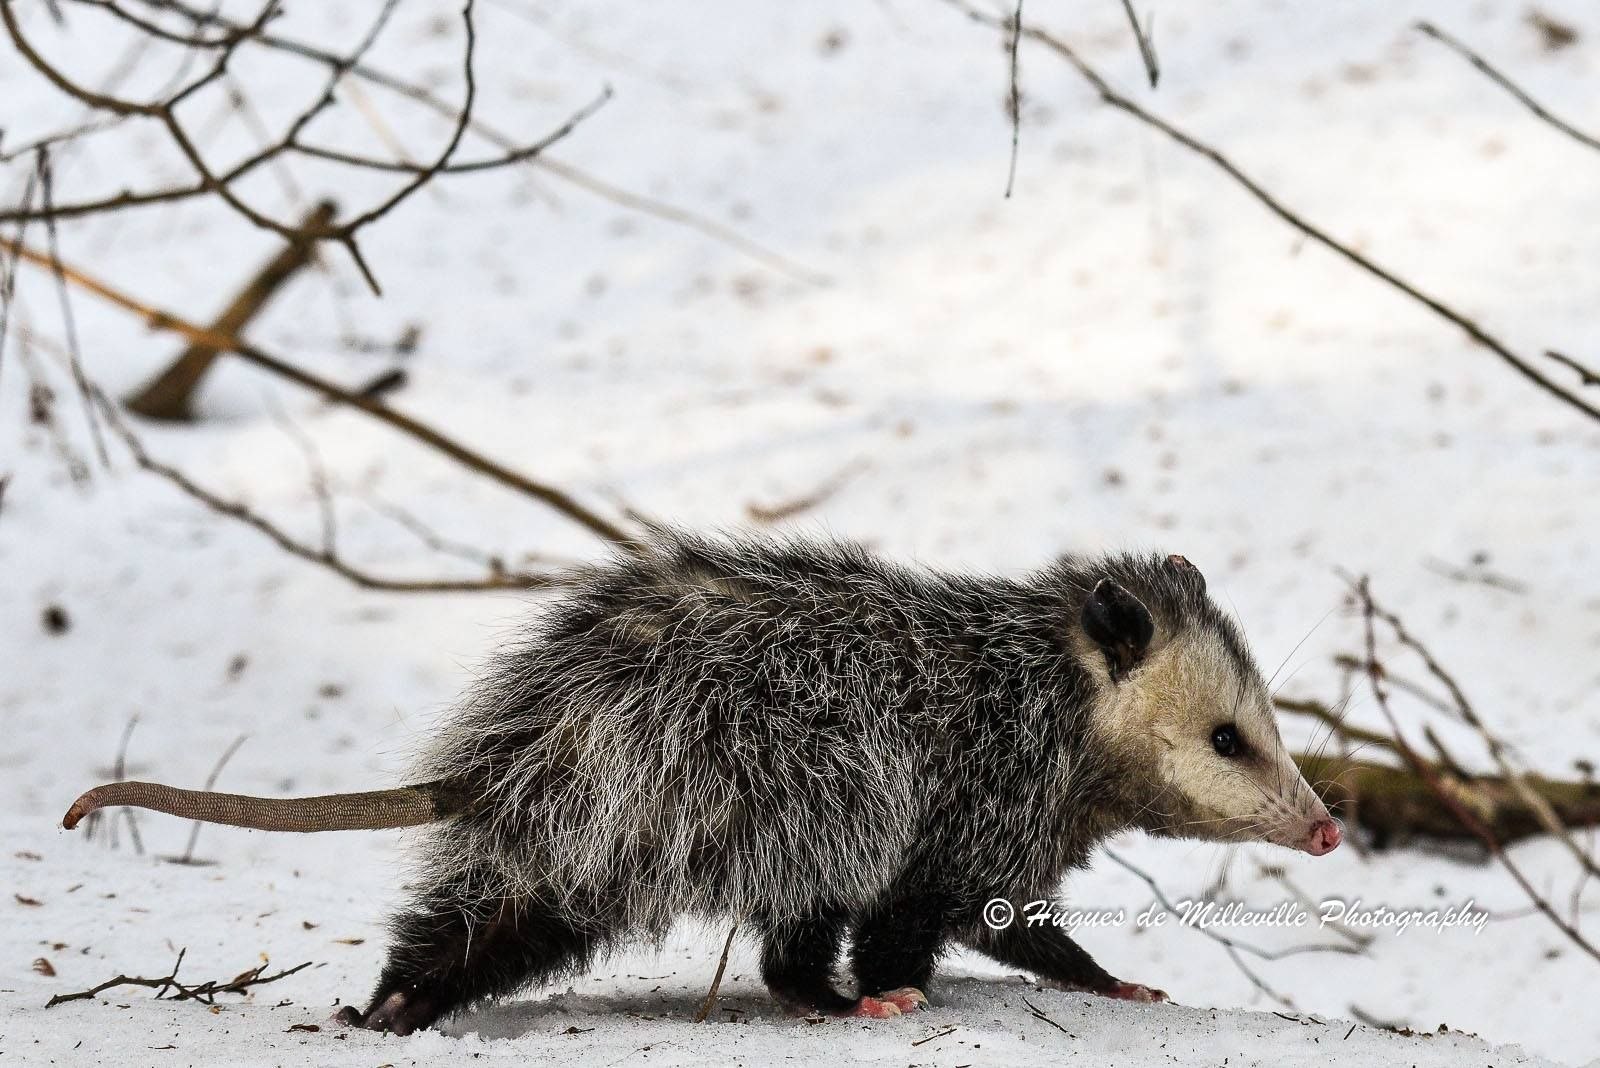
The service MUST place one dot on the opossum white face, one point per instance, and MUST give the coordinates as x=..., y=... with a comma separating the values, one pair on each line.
x=1188, y=713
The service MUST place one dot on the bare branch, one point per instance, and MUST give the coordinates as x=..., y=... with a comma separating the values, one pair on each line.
x=161, y=320
x=1117, y=100
x=1430, y=775
x=1016, y=97
x=211, y=182
x=624, y=198
x=205, y=993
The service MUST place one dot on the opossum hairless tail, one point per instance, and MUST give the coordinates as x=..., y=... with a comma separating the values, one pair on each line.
x=374, y=810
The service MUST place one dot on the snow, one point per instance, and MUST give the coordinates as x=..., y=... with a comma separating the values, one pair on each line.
x=1127, y=353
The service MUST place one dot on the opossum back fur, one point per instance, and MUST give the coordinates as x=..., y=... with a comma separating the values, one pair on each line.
x=764, y=728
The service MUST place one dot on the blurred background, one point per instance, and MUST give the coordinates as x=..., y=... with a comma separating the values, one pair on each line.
x=735, y=265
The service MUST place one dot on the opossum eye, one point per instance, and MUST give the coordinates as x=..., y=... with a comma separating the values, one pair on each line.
x=1225, y=740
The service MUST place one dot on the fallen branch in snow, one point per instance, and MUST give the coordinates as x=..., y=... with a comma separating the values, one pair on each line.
x=1103, y=89
x=1397, y=803
x=434, y=439
x=205, y=992
x=1522, y=96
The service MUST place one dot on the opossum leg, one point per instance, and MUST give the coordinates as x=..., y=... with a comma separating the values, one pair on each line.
x=797, y=959
x=897, y=941
x=1049, y=953
x=443, y=960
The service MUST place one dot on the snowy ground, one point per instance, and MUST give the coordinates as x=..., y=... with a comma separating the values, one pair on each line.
x=1128, y=352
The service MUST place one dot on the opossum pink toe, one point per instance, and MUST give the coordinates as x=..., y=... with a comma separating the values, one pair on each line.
x=1135, y=992
x=907, y=999
x=1324, y=837
x=874, y=1009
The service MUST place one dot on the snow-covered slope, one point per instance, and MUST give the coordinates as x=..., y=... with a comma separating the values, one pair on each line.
x=1128, y=352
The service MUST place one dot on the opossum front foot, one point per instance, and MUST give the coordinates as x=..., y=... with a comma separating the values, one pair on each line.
x=907, y=999
x=1132, y=992
x=889, y=1004
x=398, y=1014
x=1118, y=989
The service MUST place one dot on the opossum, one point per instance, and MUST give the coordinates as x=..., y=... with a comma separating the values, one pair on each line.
x=820, y=743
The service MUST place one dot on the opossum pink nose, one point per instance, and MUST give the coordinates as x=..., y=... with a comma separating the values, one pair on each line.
x=1324, y=837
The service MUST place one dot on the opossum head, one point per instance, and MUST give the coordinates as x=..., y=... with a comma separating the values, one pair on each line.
x=1184, y=709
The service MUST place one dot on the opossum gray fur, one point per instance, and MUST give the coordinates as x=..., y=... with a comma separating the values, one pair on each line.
x=819, y=742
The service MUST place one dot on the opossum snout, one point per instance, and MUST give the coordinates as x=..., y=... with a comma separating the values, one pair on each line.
x=1323, y=837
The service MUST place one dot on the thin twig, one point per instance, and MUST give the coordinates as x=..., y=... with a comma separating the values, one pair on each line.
x=1522, y=96
x=1145, y=35
x=68, y=322
x=1039, y=1014
x=1585, y=376
x=716, y=980
x=1016, y=97
x=211, y=782
x=1233, y=946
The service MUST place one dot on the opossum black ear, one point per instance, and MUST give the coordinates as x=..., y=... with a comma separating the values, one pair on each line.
x=1119, y=624
x=1182, y=565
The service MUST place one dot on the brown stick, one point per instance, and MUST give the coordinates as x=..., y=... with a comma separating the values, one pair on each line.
x=1399, y=802
x=716, y=980
x=170, y=396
